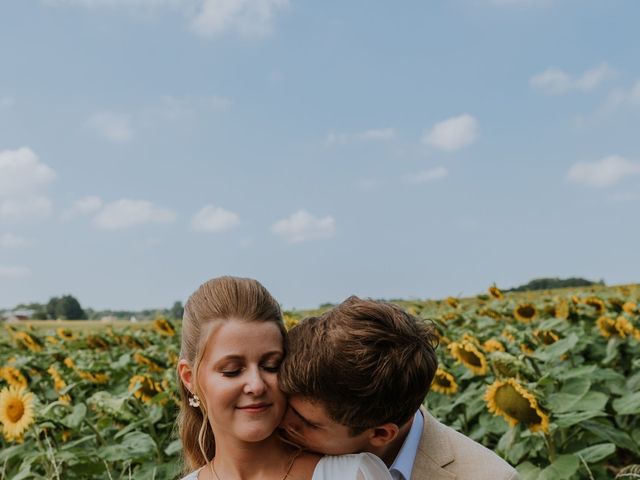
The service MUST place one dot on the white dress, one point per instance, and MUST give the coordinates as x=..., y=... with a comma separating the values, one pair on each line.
x=357, y=466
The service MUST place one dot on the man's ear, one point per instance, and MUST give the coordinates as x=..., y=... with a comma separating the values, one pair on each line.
x=383, y=434
x=185, y=374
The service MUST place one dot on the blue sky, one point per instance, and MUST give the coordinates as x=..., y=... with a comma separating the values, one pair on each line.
x=386, y=149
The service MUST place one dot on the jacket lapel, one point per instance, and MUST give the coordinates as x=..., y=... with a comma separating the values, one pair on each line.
x=434, y=452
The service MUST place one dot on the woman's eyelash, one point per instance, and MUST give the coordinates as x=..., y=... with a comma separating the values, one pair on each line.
x=231, y=373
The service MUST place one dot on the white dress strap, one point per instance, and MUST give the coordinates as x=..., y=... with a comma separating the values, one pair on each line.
x=360, y=466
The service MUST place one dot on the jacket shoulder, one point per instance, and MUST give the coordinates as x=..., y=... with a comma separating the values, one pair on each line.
x=445, y=451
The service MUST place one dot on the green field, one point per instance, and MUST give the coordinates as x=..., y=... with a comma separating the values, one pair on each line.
x=550, y=380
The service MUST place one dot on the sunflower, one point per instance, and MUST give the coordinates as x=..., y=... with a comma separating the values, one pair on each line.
x=66, y=334
x=525, y=312
x=505, y=365
x=507, y=335
x=449, y=316
x=58, y=381
x=607, y=326
x=144, y=387
x=546, y=337
x=164, y=327
x=493, y=345
x=29, y=341
x=444, y=382
x=65, y=399
x=596, y=303
x=97, y=378
x=13, y=377
x=495, y=292
x=69, y=362
x=290, y=321
x=144, y=360
x=16, y=412
x=97, y=342
x=624, y=327
x=469, y=355
x=516, y=404
x=173, y=358
x=630, y=308
x=527, y=348
x=452, y=302
x=561, y=309
x=489, y=312
x=52, y=340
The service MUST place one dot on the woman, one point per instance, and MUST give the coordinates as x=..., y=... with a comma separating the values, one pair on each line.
x=232, y=346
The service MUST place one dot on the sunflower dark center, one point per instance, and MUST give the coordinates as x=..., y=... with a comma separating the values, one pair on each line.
x=15, y=410
x=515, y=405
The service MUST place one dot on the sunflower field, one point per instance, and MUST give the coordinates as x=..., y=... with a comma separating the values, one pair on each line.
x=549, y=380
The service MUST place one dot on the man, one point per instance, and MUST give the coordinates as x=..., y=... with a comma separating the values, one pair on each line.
x=356, y=378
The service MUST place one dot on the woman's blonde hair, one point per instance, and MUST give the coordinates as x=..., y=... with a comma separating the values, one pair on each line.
x=218, y=299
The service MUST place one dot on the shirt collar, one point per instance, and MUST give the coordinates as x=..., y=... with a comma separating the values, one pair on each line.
x=403, y=464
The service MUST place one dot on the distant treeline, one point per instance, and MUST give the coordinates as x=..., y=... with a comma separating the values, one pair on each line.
x=551, y=283
x=67, y=307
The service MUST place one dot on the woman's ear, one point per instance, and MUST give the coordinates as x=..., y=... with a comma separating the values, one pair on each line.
x=383, y=434
x=185, y=374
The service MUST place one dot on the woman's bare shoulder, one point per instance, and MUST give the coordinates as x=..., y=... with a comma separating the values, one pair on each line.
x=304, y=466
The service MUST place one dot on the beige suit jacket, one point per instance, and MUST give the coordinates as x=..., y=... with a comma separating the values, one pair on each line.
x=444, y=454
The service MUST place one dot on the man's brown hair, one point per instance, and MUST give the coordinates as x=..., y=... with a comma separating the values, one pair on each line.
x=367, y=362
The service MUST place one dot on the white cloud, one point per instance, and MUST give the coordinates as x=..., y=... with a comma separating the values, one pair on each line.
x=83, y=206
x=603, y=173
x=7, y=271
x=207, y=18
x=556, y=81
x=302, y=226
x=21, y=172
x=214, y=219
x=127, y=213
x=426, y=176
x=10, y=240
x=248, y=17
x=453, y=133
x=23, y=183
x=372, y=135
x=6, y=102
x=552, y=80
x=112, y=126
x=617, y=99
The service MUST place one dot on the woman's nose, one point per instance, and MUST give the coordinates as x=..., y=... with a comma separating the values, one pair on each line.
x=255, y=384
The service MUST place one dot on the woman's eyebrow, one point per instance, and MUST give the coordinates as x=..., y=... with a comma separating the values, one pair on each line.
x=272, y=354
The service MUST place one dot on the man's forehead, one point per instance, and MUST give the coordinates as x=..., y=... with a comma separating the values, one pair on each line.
x=310, y=410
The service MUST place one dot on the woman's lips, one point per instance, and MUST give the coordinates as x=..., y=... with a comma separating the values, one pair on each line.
x=255, y=408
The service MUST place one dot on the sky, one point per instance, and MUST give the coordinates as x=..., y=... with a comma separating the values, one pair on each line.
x=412, y=149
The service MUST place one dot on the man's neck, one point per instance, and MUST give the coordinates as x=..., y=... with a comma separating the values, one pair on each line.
x=389, y=452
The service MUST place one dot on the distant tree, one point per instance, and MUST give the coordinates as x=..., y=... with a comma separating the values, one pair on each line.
x=39, y=315
x=177, y=310
x=66, y=307
x=551, y=283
